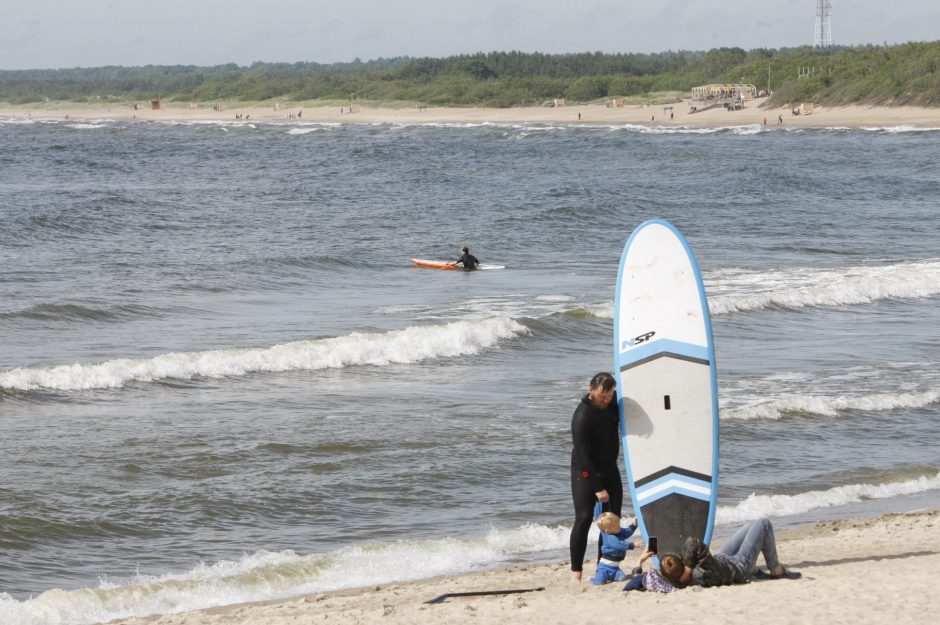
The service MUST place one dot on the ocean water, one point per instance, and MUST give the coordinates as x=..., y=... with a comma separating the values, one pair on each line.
x=221, y=380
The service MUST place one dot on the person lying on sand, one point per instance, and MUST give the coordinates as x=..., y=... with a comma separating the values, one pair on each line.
x=733, y=564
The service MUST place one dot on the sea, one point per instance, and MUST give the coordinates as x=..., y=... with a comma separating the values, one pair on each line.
x=222, y=380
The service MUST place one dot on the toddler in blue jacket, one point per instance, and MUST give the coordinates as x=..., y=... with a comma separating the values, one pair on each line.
x=614, y=547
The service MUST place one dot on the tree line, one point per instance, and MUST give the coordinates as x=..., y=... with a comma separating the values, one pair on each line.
x=895, y=75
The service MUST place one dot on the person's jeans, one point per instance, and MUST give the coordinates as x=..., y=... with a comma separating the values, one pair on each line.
x=749, y=541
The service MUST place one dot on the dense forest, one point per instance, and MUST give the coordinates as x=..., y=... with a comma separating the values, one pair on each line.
x=896, y=75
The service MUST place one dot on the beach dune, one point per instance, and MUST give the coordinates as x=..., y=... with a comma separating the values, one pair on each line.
x=875, y=570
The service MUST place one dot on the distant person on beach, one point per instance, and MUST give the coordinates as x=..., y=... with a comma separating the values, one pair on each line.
x=468, y=260
x=733, y=564
x=779, y=119
x=595, y=436
x=614, y=547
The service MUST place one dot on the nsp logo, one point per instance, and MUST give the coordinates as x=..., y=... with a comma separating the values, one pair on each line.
x=636, y=340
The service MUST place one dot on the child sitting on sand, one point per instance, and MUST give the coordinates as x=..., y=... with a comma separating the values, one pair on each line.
x=614, y=548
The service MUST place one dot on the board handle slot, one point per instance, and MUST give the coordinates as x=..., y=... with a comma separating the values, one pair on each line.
x=667, y=403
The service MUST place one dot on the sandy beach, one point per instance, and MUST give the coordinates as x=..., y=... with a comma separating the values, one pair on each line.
x=650, y=115
x=872, y=570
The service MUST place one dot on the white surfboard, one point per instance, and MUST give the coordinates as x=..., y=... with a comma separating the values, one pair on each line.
x=667, y=386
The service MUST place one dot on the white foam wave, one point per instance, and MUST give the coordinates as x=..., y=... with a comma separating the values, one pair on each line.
x=756, y=506
x=831, y=406
x=899, y=129
x=413, y=344
x=264, y=576
x=86, y=126
x=302, y=131
x=748, y=129
x=738, y=291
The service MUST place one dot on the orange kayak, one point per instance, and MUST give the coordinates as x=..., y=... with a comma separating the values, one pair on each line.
x=433, y=264
x=444, y=264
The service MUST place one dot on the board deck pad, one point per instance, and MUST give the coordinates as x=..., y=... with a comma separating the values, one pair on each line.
x=667, y=387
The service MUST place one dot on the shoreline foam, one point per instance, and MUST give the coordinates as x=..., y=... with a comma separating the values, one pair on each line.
x=854, y=571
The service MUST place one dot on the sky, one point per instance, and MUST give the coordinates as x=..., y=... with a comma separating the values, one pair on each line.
x=43, y=34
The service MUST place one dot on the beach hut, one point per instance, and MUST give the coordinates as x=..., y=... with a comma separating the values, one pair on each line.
x=616, y=102
x=155, y=105
x=559, y=102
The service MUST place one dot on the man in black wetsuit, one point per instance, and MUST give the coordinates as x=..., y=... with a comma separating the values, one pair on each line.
x=595, y=433
x=468, y=260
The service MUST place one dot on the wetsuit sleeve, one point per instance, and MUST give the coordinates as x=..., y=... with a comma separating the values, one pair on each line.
x=581, y=437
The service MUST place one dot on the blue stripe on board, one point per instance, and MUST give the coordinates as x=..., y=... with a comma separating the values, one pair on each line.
x=679, y=348
x=655, y=475
x=675, y=476
x=673, y=485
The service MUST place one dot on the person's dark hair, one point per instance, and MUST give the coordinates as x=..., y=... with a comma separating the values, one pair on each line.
x=604, y=381
x=465, y=250
x=671, y=566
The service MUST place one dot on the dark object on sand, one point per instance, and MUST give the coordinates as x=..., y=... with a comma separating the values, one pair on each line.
x=480, y=593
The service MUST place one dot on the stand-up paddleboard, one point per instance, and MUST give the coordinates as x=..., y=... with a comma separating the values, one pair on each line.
x=443, y=264
x=668, y=387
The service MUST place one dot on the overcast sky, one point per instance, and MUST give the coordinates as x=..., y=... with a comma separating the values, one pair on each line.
x=38, y=34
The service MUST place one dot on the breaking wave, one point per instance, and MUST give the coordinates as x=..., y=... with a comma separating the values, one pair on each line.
x=413, y=344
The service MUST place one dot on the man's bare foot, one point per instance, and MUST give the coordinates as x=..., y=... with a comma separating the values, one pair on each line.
x=576, y=576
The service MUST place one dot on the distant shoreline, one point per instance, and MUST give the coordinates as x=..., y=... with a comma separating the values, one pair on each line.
x=646, y=115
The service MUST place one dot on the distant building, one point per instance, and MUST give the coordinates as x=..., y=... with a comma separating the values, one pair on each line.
x=731, y=96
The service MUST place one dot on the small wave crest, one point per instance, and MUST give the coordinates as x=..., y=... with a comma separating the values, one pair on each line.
x=413, y=344
x=756, y=506
x=901, y=129
x=740, y=291
x=831, y=406
x=77, y=312
x=737, y=290
x=264, y=576
x=749, y=129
